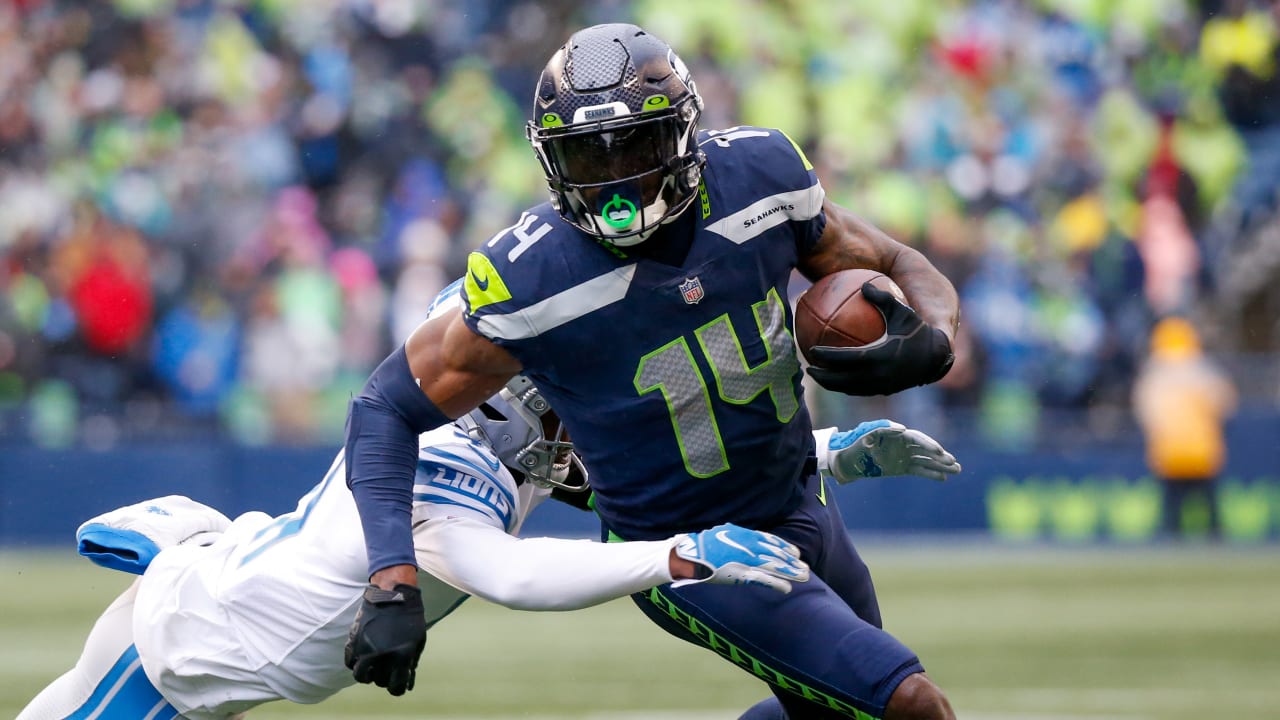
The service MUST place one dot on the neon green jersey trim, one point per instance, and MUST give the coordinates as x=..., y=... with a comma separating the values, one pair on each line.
x=483, y=285
x=807, y=165
x=737, y=656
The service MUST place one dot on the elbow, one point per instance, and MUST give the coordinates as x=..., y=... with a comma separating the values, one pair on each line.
x=534, y=593
x=527, y=593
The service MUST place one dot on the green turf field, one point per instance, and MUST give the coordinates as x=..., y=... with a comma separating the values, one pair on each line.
x=1163, y=633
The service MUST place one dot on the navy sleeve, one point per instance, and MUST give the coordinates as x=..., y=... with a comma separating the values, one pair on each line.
x=808, y=232
x=382, y=455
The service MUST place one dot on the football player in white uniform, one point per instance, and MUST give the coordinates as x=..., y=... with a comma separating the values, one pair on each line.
x=230, y=615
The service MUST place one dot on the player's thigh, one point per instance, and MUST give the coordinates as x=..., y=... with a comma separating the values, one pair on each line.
x=818, y=529
x=107, y=682
x=808, y=645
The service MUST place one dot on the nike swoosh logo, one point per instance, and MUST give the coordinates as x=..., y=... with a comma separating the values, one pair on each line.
x=482, y=284
x=723, y=536
x=822, y=491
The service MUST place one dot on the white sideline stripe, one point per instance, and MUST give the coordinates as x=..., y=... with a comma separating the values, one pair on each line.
x=1132, y=702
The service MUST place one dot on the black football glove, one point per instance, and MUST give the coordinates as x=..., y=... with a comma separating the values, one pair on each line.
x=387, y=638
x=913, y=353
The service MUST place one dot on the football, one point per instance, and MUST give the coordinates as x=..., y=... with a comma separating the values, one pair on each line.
x=834, y=313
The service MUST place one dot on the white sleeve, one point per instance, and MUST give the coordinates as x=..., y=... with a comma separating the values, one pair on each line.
x=537, y=573
x=822, y=441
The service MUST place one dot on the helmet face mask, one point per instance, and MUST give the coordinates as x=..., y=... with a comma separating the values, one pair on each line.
x=527, y=436
x=614, y=124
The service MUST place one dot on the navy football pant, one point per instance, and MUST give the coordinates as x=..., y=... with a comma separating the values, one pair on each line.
x=820, y=647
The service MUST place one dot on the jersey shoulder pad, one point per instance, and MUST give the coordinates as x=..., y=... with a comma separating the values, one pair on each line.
x=536, y=275
x=757, y=179
x=505, y=273
x=759, y=156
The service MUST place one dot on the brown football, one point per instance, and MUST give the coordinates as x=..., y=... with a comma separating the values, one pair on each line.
x=834, y=313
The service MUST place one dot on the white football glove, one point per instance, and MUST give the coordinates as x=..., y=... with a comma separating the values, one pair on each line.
x=734, y=555
x=129, y=538
x=882, y=448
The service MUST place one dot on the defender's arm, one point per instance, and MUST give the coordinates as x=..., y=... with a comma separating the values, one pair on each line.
x=557, y=574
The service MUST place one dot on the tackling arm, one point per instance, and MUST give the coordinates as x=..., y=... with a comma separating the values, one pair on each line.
x=558, y=574
x=537, y=573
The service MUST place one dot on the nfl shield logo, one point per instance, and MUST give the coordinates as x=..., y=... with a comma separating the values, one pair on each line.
x=691, y=289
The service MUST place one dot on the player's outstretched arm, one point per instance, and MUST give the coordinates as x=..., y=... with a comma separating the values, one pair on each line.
x=559, y=574
x=917, y=348
x=882, y=448
x=733, y=555
x=442, y=371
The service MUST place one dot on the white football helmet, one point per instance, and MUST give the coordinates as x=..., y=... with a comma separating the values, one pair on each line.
x=511, y=422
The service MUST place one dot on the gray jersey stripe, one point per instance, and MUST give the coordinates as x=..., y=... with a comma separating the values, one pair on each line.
x=770, y=212
x=560, y=308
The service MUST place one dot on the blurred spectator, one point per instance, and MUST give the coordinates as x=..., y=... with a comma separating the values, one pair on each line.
x=1182, y=400
x=1168, y=250
x=1242, y=46
x=189, y=189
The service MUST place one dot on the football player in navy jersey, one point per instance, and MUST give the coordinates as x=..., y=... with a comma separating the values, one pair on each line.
x=646, y=301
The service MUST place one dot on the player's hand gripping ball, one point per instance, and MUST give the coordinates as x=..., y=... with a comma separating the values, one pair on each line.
x=861, y=338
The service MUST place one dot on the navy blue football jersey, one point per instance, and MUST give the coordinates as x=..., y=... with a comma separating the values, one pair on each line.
x=679, y=386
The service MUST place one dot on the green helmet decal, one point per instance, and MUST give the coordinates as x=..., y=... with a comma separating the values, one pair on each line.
x=656, y=102
x=618, y=212
x=551, y=120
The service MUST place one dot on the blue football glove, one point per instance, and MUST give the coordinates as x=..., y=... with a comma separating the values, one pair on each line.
x=734, y=555
x=882, y=448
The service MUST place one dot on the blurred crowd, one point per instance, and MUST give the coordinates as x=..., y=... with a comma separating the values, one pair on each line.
x=217, y=215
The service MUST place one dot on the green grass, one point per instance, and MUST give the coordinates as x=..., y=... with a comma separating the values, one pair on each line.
x=1162, y=633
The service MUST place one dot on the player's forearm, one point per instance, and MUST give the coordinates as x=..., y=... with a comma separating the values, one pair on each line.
x=539, y=573
x=930, y=293
x=382, y=455
x=849, y=241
